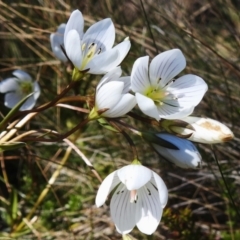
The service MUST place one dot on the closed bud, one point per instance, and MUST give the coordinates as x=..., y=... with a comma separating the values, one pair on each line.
x=186, y=156
x=202, y=130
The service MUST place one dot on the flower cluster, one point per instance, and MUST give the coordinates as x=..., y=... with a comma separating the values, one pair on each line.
x=163, y=97
x=139, y=194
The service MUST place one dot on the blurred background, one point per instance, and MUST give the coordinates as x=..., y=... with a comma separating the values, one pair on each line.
x=203, y=204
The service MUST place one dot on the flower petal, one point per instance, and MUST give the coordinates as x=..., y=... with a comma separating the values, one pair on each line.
x=9, y=85
x=37, y=90
x=56, y=40
x=29, y=104
x=149, y=210
x=102, y=33
x=113, y=75
x=127, y=83
x=11, y=99
x=21, y=75
x=73, y=48
x=165, y=66
x=122, y=210
x=109, y=95
x=169, y=111
x=139, y=76
x=162, y=189
x=147, y=106
x=125, y=105
x=123, y=49
x=108, y=184
x=104, y=62
x=206, y=130
x=134, y=176
x=189, y=90
x=76, y=22
x=186, y=157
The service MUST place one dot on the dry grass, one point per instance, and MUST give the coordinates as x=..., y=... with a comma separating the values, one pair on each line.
x=199, y=206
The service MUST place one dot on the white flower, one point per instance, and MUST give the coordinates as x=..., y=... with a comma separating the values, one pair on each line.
x=157, y=94
x=56, y=40
x=139, y=198
x=18, y=87
x=92, y=52
x=186, y=157
x=203, y=130
x=112, y=98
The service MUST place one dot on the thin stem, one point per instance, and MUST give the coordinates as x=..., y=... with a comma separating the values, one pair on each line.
x=53, y=102
x=149, y=27
x=225, y=183
x=143, y=119
x=60, y=136
x=4, y=173
x=20, y=124
x=47, y=188
x=130, y=141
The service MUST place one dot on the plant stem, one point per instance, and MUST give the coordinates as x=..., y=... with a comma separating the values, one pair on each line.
x=225, y=183
x=47, y=188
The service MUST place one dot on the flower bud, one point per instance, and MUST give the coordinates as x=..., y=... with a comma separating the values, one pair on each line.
x=186, y=156
x=202, y=130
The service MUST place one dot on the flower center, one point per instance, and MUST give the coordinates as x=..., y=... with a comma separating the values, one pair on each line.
x=133, y=196
x=26, y=87
x=89, y=52
x=156, y=94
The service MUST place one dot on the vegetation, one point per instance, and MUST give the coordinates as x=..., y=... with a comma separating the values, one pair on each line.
x=48, y=189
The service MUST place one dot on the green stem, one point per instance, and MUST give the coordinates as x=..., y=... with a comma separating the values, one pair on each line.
x=225, y=183
x=47, y=188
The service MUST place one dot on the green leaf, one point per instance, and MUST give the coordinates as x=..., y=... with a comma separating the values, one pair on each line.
x=4, y=122
x=14, y=204
x=11, y=145
x=104, y=123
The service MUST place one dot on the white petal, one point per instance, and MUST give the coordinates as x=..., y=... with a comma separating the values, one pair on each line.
x=37, y=90
x=56, y=40
x=134, y=176
x=103, y=63
x=109, y=95
x=73, y=48
x=147, y=106
x=108, y=184
x=56, y=48
x=102, y=33
x=189, y=90
x=76, y=22
x=171, y=112
x=127, y=83
x=9, y=85
x=122, y=210
x=186, y=157
x=123, y=49
x=162, y=189
x=125, y=105
x=61, y=29
x=11, y=99
x=113, y=75
x=149, y=210
x=139, y=76
x=29, y=104
x=165, y=66
x=206, y=130
x=21, y=75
